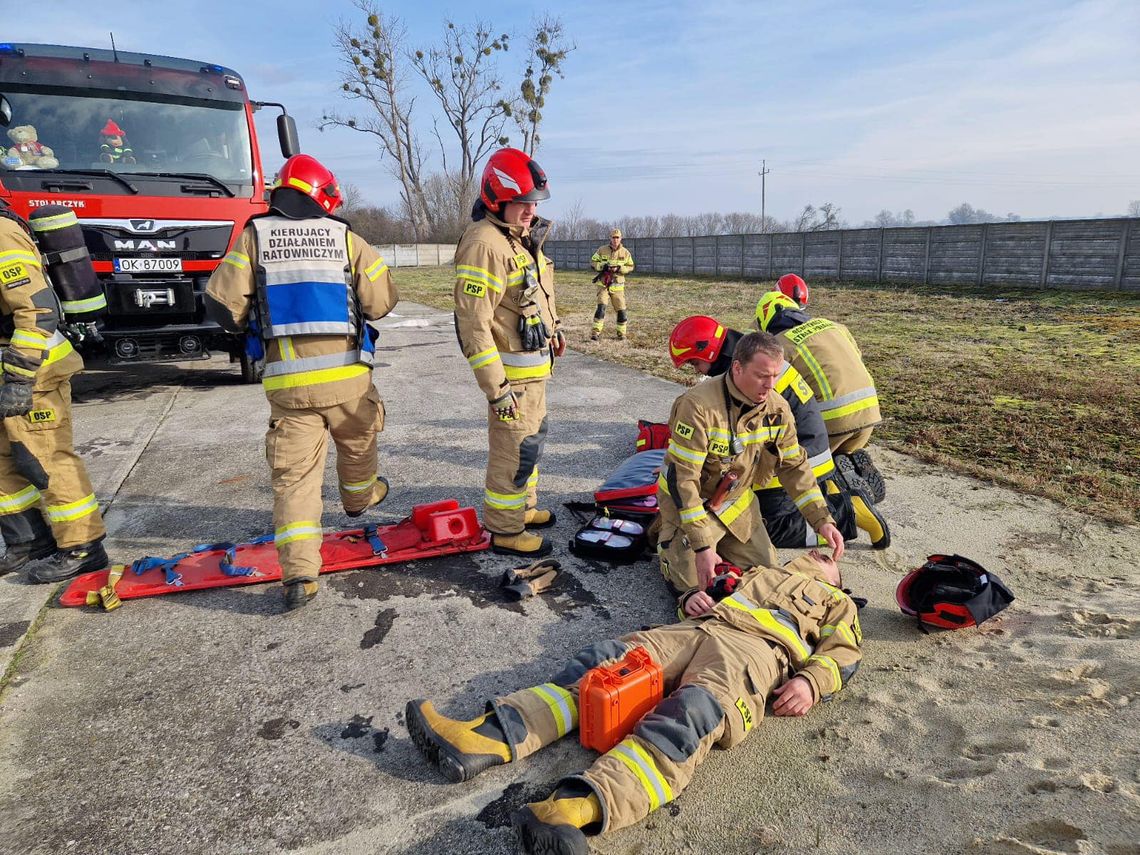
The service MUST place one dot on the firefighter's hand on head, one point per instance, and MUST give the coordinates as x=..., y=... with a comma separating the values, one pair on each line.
x=834, y=539
x=506, y=406
x=706, y=561
x=15, y=399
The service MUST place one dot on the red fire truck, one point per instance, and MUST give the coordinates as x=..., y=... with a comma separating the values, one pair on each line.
x=159, y=159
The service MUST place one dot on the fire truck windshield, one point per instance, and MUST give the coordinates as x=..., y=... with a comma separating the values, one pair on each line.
x=134, y=135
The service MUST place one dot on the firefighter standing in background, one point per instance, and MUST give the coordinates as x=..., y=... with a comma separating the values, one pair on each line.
x=707, y=345
x=303, y=284
x=37, y=451
x=789, y=633
x=829, y=360
x=508, y=328
x=727, y=435
x=615, y=257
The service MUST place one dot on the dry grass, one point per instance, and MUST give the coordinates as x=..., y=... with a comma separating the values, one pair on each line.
x=1035, y=390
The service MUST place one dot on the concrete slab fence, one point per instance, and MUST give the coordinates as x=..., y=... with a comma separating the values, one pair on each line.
x=1100, y=255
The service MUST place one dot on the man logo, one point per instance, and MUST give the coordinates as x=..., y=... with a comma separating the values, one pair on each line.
x=142, y=226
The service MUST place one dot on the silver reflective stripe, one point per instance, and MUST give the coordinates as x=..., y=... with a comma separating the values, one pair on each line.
x=820, y=458
x=305, y=272
x=317, y=363
x=312, y=328
x=850, y=398
x=57, y=338
x=524, y=360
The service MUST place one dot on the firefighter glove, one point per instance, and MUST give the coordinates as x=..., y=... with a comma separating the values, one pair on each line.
x=506, y=407
x=534, y=332
x=15, y=399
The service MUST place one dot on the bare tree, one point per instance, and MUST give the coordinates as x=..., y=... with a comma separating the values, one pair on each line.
x=1134, y=208
x=465, y=81
x=804, y=220
x=372, y=76
x=568, y=226
x=548, y=49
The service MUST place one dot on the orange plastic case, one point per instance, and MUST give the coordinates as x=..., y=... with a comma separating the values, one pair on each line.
x=613, y=698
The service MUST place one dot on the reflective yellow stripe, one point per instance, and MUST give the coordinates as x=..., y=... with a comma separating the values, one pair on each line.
x=73, y=510
x=615, y=288
x=238, y=259
x=19, y=370
x=842, y=628
x=812, y=495
x=504, y=501
x=528, y=373
x=532, y=481
x=288, y=352
x=26, y=338
x=820, y=470
x=839, y=412
x=58, y=352
x=483, y=357
x=729, y=514
x=54, y=222
x=357, y=486
x=375, y=270
x=772, y=433
x=312, y=378
x=768, y=620
x=788, y=452
x=515, y=277
x=303, y=530
x=13, y=503
x=561, y=704
x=663, y=484
x=20, y=255
x=718, y=433
x=91, y=304
x=638, y=761
x=478, y=274
x=823, y=387
x=304, y=186
x=689, y=515
x=832, y=668
x=689, y=454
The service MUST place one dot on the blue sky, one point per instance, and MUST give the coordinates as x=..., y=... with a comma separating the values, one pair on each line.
x=1028, y=107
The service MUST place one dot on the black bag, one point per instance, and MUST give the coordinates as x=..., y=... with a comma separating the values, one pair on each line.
x=617, y=539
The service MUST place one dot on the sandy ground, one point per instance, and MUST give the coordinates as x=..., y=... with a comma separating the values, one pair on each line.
x=211, y=723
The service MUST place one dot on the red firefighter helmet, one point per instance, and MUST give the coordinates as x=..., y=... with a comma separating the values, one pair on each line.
x=951, y=592
x=309, y=176
x=512, y=176
x=699, y=337
x=793, y=287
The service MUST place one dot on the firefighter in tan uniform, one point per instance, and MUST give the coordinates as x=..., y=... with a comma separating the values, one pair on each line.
x=38, y=463
x=789, y=632
x=616, y=258
x=827, y=356
x=729, y=434
x=508, y=329
x=303, y=284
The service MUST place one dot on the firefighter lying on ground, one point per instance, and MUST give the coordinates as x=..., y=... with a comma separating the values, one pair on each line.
x=507, y=323
x=827, y=357
x=612, y=256
x=303, y=284
x=38, y=462
x=791, y=633
x=707, y=345
x=727, y=435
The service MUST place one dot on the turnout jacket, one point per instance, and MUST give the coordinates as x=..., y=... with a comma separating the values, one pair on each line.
x=233, y=292
x=816, y=623
x=493, y=293
x=826, y=355
x=621, y=258
x=703, y=423
x=810, y=428
x=35, y=350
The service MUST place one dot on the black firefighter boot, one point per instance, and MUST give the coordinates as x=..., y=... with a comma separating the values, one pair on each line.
x=459, y=749
x=20, y=552
x=68, y=562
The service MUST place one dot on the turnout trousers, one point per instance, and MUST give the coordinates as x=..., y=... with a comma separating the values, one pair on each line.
x=679, y=562
x=717, y=682
x=40, y=469
x=849, y=443
x=613, y=294
x=787, y=527
x=514, y=450
x=296, y=447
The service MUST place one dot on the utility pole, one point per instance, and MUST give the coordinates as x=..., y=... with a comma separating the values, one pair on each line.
x=763, y=173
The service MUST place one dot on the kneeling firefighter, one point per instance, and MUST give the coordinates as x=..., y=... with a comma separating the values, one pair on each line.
x=38, y=463
x=827, y=356
x=707, y=345
x=302, y=284
x=507, y=324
